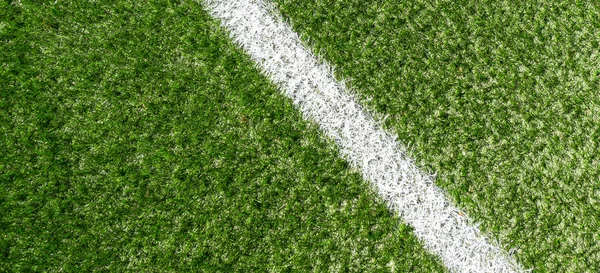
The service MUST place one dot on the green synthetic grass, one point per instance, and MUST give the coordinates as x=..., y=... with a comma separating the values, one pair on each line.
x=135, y=137
x=499, y=98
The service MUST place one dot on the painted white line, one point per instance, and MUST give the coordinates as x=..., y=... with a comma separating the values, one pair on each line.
x=310, y=83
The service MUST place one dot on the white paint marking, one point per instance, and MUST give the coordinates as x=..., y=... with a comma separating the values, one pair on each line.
x=310, y=83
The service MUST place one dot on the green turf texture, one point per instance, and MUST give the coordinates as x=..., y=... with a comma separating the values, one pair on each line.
x=135, y=137
x=499, y=98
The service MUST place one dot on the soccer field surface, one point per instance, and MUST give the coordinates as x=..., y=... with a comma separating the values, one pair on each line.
x=138, y=136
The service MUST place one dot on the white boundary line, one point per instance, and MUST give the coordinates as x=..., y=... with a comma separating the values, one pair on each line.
x=310, y=83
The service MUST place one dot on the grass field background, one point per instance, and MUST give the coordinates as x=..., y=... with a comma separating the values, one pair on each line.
x=134, y=136
x=499, y=98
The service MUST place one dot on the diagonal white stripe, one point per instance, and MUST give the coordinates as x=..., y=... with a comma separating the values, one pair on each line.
x=278, y=51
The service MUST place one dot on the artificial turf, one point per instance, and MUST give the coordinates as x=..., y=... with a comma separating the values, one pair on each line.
x=134, y=136
x=498, y=98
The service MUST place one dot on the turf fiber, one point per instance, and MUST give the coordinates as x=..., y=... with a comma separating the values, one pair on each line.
x=499, y=98
x=134, y=136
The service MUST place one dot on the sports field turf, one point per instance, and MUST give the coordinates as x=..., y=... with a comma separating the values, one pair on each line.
x=135, y=136
x=138, y=138
x=499, y=98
